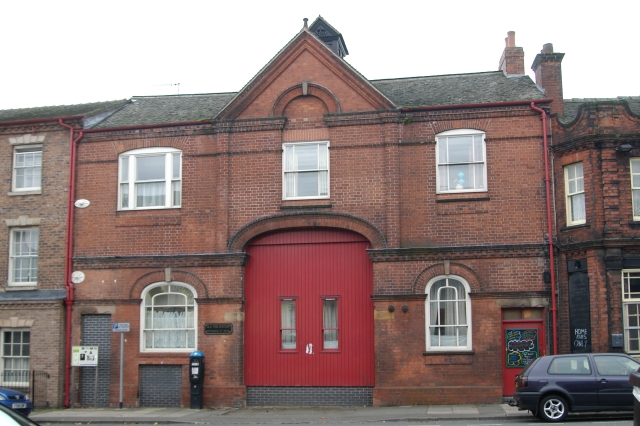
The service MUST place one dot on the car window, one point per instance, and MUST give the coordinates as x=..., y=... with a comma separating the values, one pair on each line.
x=9, y=417
x=570, y=365
x=614, y=365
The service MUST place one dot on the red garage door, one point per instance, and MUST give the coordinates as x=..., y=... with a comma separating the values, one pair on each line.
x=309, y=313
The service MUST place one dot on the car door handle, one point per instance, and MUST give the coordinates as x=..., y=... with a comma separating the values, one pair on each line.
x=543, y=381
x=603, y=380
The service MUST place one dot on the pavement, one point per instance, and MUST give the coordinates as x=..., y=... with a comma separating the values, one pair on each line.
x=280, y=415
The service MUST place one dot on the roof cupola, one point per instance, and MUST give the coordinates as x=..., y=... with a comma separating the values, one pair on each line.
x=329, y=35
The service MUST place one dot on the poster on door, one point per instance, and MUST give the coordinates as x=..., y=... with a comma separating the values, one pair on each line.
x=521, y=346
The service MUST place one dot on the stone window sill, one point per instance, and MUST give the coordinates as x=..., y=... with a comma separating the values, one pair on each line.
x=15, y=193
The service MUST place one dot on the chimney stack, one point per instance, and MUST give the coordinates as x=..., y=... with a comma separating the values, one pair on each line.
x=512, y=60
x=548, y=69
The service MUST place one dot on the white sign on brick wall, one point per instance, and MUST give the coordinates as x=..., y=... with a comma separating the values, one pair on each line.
x=84, y=356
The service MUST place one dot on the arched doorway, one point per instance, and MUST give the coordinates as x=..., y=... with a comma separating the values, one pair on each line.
x=309, y=313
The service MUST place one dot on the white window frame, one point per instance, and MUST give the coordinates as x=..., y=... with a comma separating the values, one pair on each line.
x=13, y=257
x=144, y=329
x=3, y=356
x=126, y=177
x=578, y=182
x=634, y=170
x=428, y=325
x=289, y=177
x=22, y=150
x=444, y=166
x=630, y=301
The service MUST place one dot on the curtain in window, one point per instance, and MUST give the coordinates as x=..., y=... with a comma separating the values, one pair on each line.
x=25, y=256
x=448, y=313
x=150, y=194
x=170, y=328
x=578, y=212
x=330, y=320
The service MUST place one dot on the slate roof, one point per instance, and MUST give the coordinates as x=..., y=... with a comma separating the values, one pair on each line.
x=453, y=89
x=90, y=109
x=145, y=110
x=571, y=106
x=475, y=88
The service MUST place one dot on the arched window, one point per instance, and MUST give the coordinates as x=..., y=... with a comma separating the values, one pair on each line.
x=168, y=317
x=448, y=314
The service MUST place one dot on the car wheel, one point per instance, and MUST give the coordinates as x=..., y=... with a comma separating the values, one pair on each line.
x=553, y=408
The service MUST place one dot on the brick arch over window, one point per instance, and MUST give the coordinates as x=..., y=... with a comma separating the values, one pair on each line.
x=307, y=220
x=438, y=269
x=176, y=276
x=315, y=90
x=443, y=126
x=128, y=145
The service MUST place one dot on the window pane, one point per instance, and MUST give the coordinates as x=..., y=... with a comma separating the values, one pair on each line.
x=478, y=155
x=460, y=176
x=307, y=184
x=177, y=193
x=460, y=149
x=124, y=195
x=443, y=180
x=124, y=169
x=307, y=157
x=150, y=168
x=176, y=166
x=323, y=156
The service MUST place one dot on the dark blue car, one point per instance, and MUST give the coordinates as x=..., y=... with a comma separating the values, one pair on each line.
x=554, y=385
x=15, y=400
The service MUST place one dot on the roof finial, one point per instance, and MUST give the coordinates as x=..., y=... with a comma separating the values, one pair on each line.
x=305, y=22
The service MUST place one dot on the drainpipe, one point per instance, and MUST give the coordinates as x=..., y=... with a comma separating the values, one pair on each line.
x=547, y=184
x=69, y=257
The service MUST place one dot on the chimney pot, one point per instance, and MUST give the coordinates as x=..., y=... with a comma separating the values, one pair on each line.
x=511, y=39
x=305, y=22
x=547, y=48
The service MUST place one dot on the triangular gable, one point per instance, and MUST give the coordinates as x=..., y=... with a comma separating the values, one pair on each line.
x=292, y=66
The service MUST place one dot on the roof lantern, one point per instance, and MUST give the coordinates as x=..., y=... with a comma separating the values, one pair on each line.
x=329, y=35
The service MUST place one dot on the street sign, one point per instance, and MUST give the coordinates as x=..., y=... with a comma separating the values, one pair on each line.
x=120, y=327
x=84, y=356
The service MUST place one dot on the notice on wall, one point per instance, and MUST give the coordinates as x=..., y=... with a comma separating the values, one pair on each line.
x=521, y=346
x=579, y=313
x=84, y=356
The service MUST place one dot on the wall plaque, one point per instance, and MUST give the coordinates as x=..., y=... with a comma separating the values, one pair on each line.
x=216, y=328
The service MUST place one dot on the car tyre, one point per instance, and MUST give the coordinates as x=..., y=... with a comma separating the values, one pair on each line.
x=553, y=408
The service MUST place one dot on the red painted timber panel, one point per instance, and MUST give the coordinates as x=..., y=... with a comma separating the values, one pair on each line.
x=309, y=266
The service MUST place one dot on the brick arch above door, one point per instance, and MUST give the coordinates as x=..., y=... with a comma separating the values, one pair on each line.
x=307, y=220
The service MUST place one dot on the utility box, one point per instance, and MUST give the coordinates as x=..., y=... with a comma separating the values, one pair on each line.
x=617, y=341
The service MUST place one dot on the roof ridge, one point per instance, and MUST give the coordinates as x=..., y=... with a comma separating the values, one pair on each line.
x=437, y=75
x=183, y=95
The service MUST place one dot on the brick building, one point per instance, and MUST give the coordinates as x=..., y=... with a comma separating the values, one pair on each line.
x=326, y=239
x=34, y=162
x=368, y=242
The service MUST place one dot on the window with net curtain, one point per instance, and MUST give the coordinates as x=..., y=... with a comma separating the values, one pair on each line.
x=305, y=170
x=448, y=314
x=150, y=178
x=15, y=356
x=169, y=314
